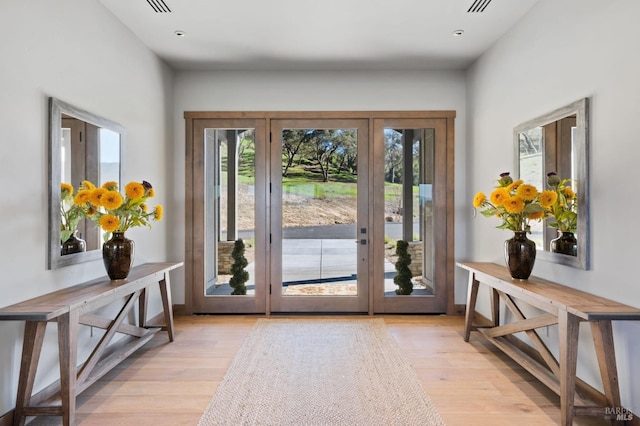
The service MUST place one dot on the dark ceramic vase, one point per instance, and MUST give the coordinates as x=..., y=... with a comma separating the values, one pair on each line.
x=117, y=254
x=520, y=255
x=566, y=243
x=73, y=245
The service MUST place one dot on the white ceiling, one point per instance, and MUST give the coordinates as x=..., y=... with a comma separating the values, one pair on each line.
x=318, y=34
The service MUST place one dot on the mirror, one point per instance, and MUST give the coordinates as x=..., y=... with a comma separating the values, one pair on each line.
x=557, y=142
x=82, y=146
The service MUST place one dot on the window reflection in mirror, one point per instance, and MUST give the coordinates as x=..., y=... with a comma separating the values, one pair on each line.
x=544, y=149
x=531, y=171
x=109, y=156
x=83, y=146
x=557, y=142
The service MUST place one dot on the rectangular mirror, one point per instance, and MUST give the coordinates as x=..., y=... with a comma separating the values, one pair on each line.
x=557, y=142
x=82, y=146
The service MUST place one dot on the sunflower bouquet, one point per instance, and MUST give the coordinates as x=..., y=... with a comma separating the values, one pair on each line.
x=115, y=212
x=70, y=213
x=516, y=203
x=564, y=211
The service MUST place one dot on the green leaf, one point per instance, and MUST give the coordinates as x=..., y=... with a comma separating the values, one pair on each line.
x=533, y=208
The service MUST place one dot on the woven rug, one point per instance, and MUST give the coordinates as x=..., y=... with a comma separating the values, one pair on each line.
x=320, y=372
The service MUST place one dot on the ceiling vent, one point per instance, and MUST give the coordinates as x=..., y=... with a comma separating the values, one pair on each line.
x=479, y=6
x=159, y=6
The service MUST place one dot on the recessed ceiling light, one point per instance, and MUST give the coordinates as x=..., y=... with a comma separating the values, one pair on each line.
x=180, y=33
x=458, y=33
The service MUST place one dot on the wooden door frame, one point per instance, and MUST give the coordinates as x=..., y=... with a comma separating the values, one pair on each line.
x=190, y=197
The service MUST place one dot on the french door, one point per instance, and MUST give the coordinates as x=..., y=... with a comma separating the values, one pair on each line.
x=412, y=195
x=319, y=216
x=320, y=207
x=227, y=183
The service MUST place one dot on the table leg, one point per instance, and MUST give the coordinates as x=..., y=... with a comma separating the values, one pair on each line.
x=472, y=295
x=31, y=349
x=495, y=307
x=603, y=342
x=165, y=292
x=68, y=349
x=568, y=327
x=143, y=303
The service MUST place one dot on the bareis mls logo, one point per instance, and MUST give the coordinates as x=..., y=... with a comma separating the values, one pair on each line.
x=617, y=413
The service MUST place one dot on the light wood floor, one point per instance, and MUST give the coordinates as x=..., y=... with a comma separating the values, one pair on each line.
x=172, y=383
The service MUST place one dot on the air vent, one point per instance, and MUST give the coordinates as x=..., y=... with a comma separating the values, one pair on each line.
x=159, y=6
x=479, y=6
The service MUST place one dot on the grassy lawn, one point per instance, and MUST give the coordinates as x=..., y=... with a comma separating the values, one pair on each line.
x=307, y=181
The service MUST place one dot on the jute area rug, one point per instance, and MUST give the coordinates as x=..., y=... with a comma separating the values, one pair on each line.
x=320, y=372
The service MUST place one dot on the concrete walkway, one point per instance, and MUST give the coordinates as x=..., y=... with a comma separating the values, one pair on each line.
x=316, y=261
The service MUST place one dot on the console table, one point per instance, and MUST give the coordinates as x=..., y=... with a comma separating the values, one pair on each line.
x=560, y=305
x=71, y=307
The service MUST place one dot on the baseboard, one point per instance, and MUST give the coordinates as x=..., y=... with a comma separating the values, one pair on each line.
x=180, y=310
x=459, y=309
x=7, y=419
x=481, y=320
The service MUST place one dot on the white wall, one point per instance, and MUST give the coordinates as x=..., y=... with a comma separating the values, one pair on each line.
x=77, y=51
x=560, y=52
x=320, y=91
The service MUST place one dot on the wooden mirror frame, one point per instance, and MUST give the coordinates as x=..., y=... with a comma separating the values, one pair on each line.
x=580, y=109
x=58, y=109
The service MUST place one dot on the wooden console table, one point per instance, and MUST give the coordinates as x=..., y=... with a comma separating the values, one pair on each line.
x=71, y=307
x=563, y=306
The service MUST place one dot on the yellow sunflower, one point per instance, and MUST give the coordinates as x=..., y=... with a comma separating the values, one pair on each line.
x=548, y=198
x=134, y=190
x=111, y=200
x=498, y=196
x=513, y=204
x=110, y=185
x=109, y=222
x=527, y=192
x=82, y=197
x=66, y=188
x=158, y=212
x=87, y=185
x=514, y=185
x=96, y=194
x=479, y=199
x=569, y=193
x=537, y=215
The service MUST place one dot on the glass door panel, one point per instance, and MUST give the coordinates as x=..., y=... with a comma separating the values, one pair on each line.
x=409, y=168
x=230, y=213
x=318, y=216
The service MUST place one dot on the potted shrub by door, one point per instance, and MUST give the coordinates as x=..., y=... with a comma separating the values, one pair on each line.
x=403, y=272
x=240, y=276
